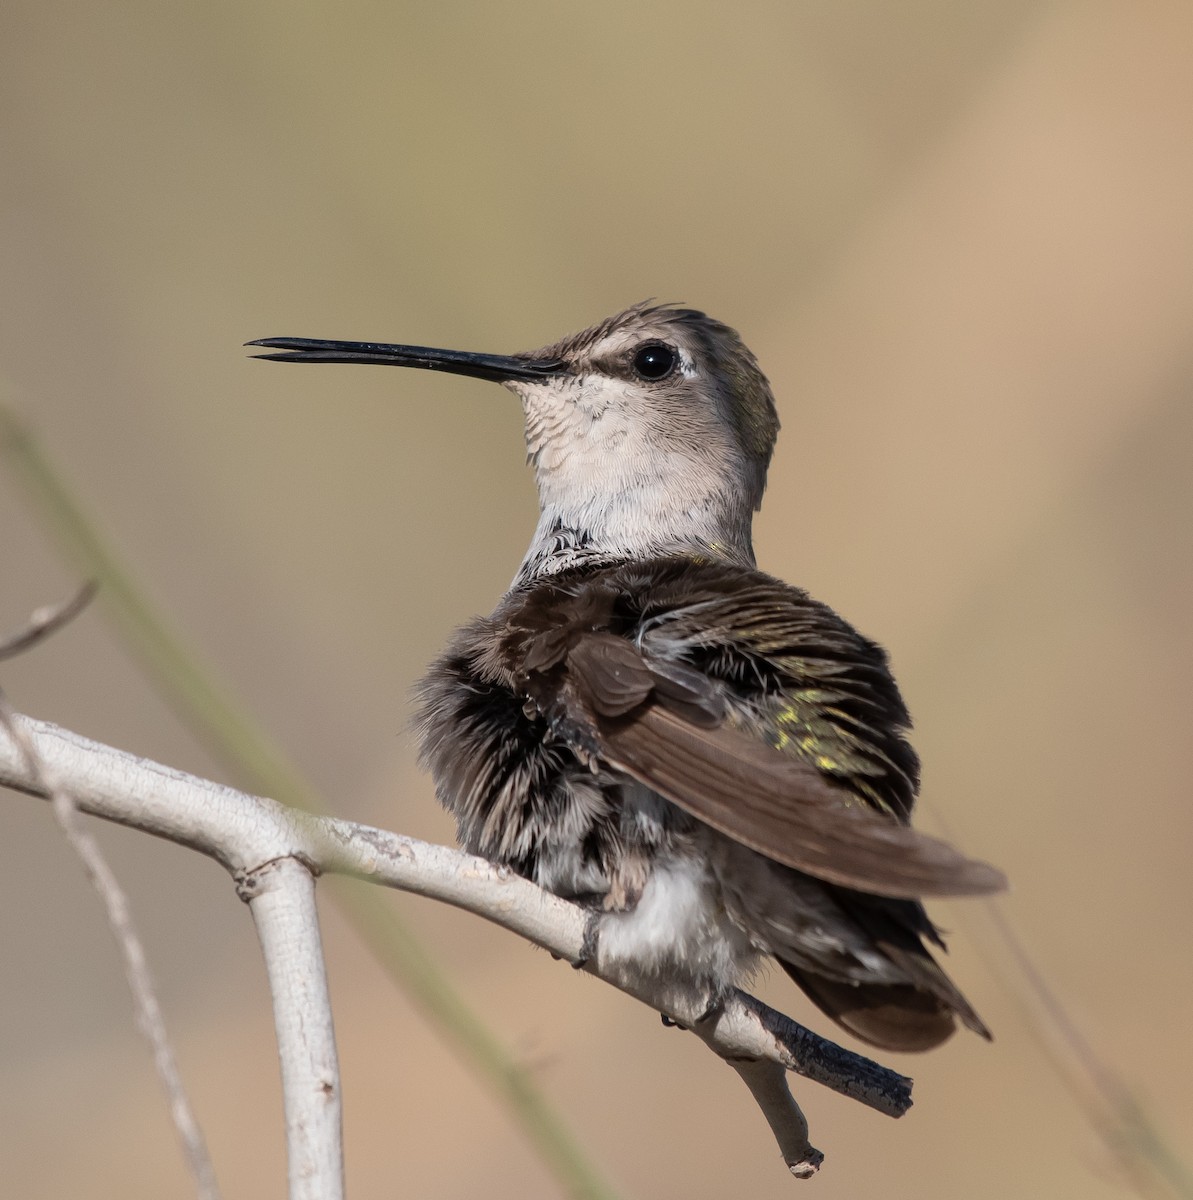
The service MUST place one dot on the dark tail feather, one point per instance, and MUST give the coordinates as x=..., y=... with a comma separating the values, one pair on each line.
x=892, y=1016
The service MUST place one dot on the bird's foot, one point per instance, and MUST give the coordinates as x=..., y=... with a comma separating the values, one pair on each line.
x=716, y=1005
x=589, y=944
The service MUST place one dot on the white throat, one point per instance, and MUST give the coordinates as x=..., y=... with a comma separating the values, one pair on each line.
x=613, y=485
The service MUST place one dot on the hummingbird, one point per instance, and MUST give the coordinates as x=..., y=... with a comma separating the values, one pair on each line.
x=712, y=762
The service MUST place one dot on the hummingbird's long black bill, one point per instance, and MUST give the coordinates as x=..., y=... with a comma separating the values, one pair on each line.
x=501, y=368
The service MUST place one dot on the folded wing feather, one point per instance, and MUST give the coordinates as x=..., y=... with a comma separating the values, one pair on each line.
x=781, y=806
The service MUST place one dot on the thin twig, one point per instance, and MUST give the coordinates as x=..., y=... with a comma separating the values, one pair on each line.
x=136, y=968
x=46, y=620
x=41, y=624
x=1096, y=1088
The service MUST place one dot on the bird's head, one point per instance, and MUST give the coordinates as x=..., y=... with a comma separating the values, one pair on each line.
x=650, y=432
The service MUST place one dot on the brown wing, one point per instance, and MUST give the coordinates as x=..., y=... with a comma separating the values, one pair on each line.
x=786, y=810
x=682, y=747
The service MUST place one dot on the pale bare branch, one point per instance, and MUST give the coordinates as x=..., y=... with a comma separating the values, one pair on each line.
x=767, y=1082
x=246, y=833
x=281, y=895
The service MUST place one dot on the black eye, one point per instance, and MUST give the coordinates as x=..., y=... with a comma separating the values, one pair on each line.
x=655, y=360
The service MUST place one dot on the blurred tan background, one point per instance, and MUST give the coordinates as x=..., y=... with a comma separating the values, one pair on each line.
x=959, y=237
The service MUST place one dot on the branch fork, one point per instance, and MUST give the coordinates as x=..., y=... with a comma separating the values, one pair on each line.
x=274, y=853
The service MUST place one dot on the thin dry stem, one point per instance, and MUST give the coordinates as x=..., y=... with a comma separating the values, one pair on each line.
x=136, y=968
x=44, y=621
x=41, y=624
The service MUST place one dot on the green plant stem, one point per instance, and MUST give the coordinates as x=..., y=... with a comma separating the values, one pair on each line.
x=259, y=764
